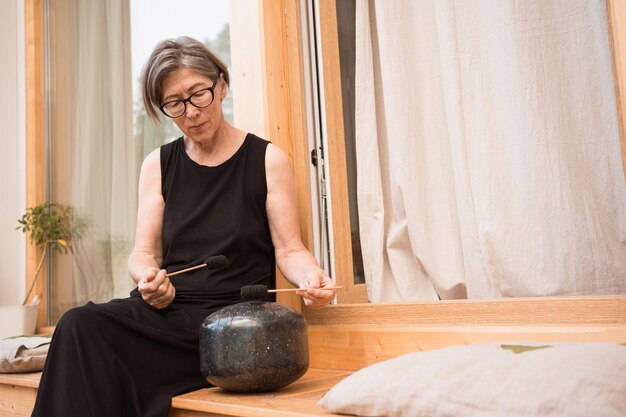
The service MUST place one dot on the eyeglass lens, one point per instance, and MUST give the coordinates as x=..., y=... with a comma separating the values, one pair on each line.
x=199, y=99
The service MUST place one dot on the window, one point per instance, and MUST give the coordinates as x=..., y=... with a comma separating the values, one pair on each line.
x=97, y=131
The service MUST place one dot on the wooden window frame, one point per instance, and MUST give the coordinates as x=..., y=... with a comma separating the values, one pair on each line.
x=616, y=17
x=35, y=145
x=280, y=26
x=286, y=126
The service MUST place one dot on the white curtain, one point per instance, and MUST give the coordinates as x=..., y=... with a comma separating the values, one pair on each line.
x=488, y=150
x=95, y=159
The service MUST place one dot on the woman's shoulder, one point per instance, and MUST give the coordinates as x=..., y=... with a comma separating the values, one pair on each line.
x=276, y=159
x=152, y=159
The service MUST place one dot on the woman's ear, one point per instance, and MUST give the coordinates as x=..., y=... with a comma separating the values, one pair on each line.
x=224, y=88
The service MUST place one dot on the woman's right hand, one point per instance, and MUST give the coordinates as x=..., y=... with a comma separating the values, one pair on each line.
x=156, y=289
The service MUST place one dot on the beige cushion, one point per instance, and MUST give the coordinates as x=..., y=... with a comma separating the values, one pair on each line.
x=569, y=380
x=23, y=354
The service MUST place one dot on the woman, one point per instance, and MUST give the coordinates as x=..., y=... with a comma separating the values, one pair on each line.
x=215, y=191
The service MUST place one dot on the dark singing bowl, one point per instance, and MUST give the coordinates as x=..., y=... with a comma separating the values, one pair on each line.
x=253, y=346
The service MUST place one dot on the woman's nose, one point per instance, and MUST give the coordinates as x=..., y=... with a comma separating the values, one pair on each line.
x=191, y=111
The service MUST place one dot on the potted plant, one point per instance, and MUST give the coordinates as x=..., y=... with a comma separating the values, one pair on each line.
x=51, y=227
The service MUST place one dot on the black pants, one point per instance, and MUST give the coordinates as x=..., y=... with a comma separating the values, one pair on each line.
x=120, y=359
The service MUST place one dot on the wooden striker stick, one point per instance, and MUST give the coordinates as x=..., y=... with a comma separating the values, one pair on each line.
x=185, y=270
x=302, y=289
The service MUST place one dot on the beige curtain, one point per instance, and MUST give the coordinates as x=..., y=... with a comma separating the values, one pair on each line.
x=95, y=160
x=488, y=150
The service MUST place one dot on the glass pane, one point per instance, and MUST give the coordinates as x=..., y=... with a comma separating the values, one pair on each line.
x=155, y=20
x=97, y=131
x=346, y=32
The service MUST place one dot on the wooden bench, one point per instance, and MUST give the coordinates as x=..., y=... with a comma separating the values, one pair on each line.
x=345, y=338
x=296, y=400
x=17, y=394
x=18, y=391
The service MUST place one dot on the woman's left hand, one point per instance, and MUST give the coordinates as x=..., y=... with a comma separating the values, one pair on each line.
x=310, y=292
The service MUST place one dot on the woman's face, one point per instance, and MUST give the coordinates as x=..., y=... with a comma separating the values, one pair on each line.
x=199, y=124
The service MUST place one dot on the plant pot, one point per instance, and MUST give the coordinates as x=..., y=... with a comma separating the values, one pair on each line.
x=18, y=320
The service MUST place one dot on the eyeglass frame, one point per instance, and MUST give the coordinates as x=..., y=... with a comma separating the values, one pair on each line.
x=188, y=100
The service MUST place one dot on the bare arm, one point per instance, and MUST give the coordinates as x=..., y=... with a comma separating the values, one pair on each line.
x=144, y=262
x=296, y=263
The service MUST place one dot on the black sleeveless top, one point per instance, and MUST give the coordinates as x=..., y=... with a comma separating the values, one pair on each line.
x=211, y=211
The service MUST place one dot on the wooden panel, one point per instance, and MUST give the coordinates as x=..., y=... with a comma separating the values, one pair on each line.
x=297, y=399
x=520, y=311
x=35, y=150
x=16, y=401
x=357, y=346
x=284, y=93
x=616, y=15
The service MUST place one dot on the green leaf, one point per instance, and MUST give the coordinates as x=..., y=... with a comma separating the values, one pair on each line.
x=51, y=222
x=522, y=348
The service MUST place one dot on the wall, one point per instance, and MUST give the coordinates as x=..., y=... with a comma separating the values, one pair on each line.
x=12, y=151
x=246, y=71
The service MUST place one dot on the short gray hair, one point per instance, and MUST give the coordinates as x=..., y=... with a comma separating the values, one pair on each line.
x=171, y=55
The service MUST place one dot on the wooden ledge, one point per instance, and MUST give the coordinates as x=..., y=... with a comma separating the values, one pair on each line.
x=578, y=310
x=29, y=380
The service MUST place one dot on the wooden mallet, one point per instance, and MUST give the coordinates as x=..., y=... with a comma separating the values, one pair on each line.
x=212, y=262
x=260, y=291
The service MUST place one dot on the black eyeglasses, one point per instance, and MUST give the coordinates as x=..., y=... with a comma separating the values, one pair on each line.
x=199, y=99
